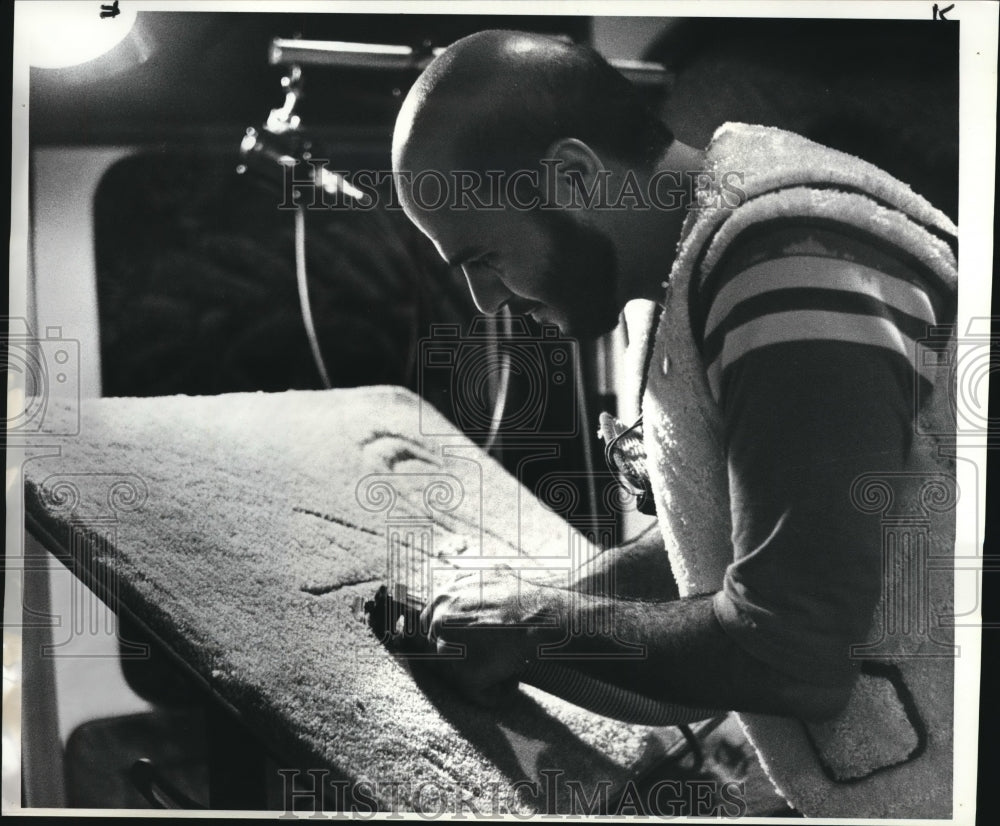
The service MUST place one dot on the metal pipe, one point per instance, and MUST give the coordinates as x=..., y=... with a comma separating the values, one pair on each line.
x=339, y=53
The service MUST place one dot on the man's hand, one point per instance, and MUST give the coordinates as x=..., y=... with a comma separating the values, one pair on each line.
x=487, y=627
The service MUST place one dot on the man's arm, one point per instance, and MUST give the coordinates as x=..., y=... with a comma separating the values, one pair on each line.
x=505, y=622
x=690, y=660
x=637, y=569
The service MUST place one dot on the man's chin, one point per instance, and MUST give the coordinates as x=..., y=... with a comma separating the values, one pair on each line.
x=578, y=328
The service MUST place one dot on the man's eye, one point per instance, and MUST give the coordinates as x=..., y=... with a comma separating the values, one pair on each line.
x=488, y=262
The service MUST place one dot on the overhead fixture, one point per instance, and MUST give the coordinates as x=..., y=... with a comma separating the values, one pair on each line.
x=64, y=33
x=337, y=53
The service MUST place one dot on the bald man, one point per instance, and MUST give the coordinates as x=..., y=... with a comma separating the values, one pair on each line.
x=782, y=370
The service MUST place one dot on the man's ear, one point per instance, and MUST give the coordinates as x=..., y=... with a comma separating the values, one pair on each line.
x=574, y=169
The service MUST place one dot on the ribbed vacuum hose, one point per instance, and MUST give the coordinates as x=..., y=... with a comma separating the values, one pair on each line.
x=610, y=700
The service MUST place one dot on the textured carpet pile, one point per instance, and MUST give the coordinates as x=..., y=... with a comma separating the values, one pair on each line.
x=242, y=529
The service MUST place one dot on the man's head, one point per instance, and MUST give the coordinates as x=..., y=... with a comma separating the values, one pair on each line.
x=498, y=104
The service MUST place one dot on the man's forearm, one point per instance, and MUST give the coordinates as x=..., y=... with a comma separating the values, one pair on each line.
x=637, y=569
x=687, y=658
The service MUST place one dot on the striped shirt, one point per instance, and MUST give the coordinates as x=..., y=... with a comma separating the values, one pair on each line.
x=796, y=281
x=813, y=336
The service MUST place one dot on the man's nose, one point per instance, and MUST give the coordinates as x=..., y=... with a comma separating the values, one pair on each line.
x=488, y=291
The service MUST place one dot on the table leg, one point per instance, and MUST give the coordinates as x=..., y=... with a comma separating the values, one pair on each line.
x=42, y=778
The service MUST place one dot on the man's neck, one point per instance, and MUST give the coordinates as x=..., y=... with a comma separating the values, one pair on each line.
x=652, y=237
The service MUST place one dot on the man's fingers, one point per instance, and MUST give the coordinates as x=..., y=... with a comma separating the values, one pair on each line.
x=433, y=614
x=447, y=611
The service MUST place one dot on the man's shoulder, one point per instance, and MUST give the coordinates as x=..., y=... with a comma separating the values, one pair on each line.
x=771, y=164
x=813, y=202
x=805, y=237
x=803, y=284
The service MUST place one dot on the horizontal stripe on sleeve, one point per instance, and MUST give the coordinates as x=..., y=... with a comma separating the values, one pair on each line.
x=818, y=325
x=816, y=298
x=815, y=272
x=782, y=238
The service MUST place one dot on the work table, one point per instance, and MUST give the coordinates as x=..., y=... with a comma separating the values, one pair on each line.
x=242, y=531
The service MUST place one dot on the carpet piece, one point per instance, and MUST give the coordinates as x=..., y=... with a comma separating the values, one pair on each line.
x=243, y=528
